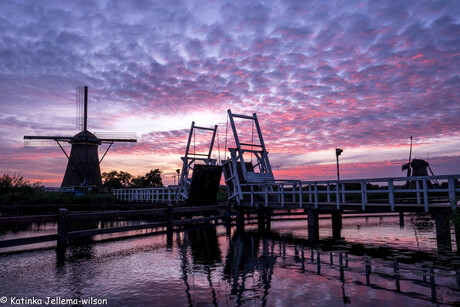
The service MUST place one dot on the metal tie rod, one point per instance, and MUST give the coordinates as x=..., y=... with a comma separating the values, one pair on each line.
x=244, y=116
x=245, y=144
x=203, y=128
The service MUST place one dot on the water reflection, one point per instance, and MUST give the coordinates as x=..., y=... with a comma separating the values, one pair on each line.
x=249, y=256
x=393, y=274
x=205, y=255
x=218, y=266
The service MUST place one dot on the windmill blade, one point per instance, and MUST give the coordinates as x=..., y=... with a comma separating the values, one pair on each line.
x=32, y=141
x=80, y=107
x=118, y=140
x=39, y=143
x=116, y=136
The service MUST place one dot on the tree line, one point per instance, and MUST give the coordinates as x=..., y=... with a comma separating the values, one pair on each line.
x=121, y=179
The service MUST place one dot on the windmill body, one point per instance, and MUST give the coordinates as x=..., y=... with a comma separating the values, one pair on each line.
x=83, y=165
x=83, y=168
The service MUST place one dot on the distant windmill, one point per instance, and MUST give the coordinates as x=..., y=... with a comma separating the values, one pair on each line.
x=83, y=162
x=417, y=167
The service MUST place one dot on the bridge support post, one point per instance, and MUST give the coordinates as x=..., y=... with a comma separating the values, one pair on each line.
x=261, y=219
x=336, y=224
x=443, y=231
x=268, y=220
x=313, y=226
x=264, y=219
x=240, y=220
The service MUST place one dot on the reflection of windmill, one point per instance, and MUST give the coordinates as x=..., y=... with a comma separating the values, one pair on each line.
x=83, y=165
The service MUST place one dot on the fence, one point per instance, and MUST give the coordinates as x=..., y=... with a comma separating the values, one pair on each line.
x=64, y=234
x=358, y=192
x=153, y=195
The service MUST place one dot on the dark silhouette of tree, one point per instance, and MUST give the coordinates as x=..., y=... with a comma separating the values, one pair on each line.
x=120, y=179
x=151, y=180
x=116, y=179
x=15, y=182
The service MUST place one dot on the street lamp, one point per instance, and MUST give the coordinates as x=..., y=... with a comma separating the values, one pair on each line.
x=338, y=151
x=178, y=172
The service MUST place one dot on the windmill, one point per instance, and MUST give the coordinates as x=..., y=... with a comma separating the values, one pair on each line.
x=417, y=167
x=83, y=168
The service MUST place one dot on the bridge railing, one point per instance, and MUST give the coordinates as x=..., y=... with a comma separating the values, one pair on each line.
x=148, y=195
x=391, y=192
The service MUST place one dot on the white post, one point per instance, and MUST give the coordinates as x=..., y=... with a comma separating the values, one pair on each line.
x=417, y=186
x=282, y=195
x=425, y=194
x=300, y=195
x=391, y=194
x=316, y=195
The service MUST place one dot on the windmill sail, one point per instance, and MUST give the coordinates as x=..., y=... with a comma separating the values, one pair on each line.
x=83, y=162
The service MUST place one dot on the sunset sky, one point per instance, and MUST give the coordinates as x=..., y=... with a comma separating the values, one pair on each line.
x=360, y=75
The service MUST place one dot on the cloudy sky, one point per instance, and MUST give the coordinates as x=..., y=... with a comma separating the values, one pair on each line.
x=360, y=75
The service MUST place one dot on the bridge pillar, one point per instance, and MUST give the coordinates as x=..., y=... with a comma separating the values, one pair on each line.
x=261, y=219
x=443, y=231
x=240, y=220
x=264, y=219
x=336, y=224
x=313, y=226
x=268, y=220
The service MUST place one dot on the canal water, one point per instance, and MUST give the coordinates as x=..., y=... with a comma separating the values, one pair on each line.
x=377, y=261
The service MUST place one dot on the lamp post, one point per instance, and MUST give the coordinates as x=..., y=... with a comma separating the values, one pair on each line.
x=178, y=173
x=338, y=151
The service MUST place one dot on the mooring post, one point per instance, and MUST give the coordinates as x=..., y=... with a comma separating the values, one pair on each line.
x=336, y=224
x=432, y=284
x=318, y=262
x=62, y=228
x=443, y=231
x=313, y=225
x=169, y=230
x=397, y=276
x=401, y=219
x=170, y=216
x=341, y=267
x=368, y=270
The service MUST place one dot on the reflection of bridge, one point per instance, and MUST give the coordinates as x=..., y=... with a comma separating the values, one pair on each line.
x=253, y=255
x=252, y=264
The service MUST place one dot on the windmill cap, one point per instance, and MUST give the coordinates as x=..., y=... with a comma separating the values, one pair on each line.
x=85, y=137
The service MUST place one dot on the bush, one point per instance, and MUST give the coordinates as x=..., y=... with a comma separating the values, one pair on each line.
x=14, y=189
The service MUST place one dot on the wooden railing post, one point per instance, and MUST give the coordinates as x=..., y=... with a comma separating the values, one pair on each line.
x=170, y=213
x=62, y=227
x=452, y=198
